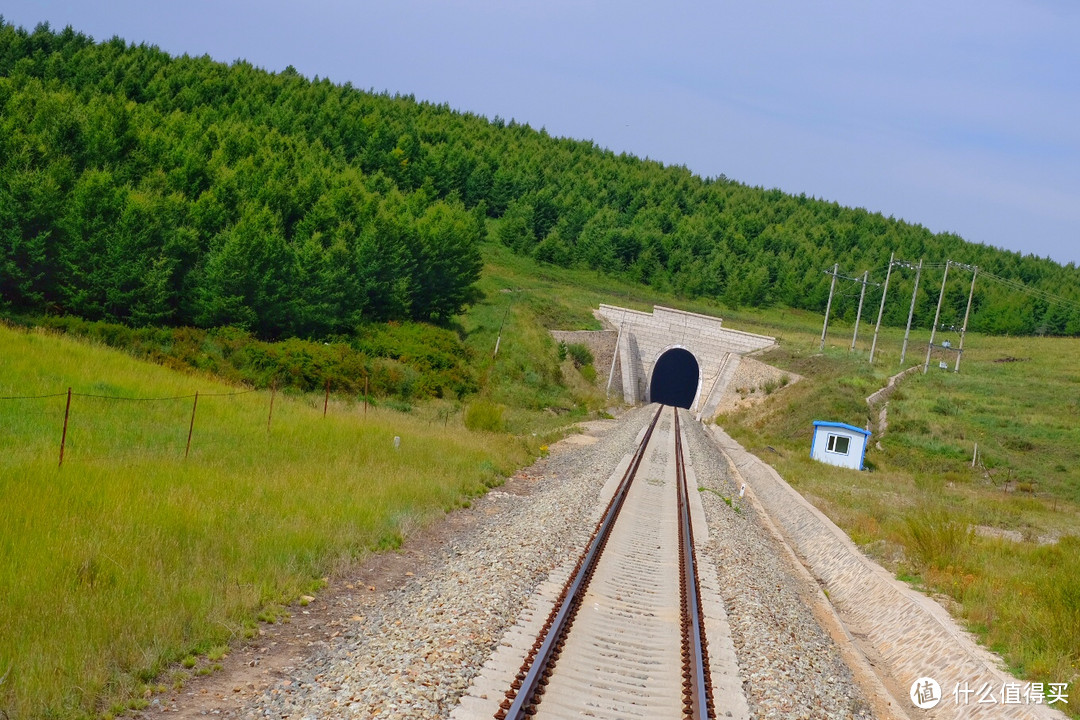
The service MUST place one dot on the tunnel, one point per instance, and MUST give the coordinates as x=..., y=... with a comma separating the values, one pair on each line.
x=674, y=379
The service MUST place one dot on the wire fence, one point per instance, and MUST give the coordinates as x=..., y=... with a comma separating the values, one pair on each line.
x=74, y=421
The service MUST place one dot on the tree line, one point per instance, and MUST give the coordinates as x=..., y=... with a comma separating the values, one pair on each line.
x=147, y=190
x=150, y=189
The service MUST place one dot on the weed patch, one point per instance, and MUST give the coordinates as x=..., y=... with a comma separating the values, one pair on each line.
x=936, y=538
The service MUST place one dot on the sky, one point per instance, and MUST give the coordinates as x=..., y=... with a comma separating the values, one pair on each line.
x=960, y=116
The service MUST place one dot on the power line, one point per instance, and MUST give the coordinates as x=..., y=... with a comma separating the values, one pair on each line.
x=1035, y=292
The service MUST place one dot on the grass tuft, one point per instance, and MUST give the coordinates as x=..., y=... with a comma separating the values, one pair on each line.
x=936, y=538
x=483, y=415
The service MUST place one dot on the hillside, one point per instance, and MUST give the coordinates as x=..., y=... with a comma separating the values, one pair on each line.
x=152, y=190
x=972, y=492
x=177, y=522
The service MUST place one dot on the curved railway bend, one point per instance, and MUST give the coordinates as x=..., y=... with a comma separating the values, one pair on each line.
x=443, y=628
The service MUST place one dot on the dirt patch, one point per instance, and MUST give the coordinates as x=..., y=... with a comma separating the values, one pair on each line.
x=1015, y=535
x=590, y=434
x=752, y=382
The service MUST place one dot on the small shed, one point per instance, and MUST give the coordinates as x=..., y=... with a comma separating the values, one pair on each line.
x=840, y=444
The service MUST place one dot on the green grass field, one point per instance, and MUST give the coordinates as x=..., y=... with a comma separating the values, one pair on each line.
x=130, y=557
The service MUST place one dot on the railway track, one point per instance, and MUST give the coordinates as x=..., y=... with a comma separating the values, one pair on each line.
x=626, y=636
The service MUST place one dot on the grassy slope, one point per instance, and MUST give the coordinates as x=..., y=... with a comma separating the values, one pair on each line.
x=526, y=301
x=129, y=557
x=914, y=511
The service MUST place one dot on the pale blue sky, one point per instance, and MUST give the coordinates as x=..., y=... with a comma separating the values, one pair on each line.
x=960, y=116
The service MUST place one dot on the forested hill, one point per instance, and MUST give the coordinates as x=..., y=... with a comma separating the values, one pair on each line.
x=139, y=187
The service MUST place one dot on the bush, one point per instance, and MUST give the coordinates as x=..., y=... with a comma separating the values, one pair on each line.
x=484, y=415
x=581, y=354
x=407, y=361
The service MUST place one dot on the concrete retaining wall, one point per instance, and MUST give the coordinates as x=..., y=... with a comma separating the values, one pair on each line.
x=602, y=344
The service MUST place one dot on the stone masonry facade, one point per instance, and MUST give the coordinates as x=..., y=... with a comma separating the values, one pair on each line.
x=627, y=349
x=643, y=337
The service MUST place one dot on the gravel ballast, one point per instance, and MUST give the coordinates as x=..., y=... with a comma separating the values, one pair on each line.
x=791, y=667
x=417, y=647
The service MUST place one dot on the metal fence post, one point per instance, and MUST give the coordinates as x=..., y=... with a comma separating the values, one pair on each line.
x=63, y=437
x=191, y=427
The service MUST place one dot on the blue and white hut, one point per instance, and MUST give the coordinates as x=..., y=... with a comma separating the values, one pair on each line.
x=840, y=444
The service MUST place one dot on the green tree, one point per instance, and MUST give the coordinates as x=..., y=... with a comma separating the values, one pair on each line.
x=516, y=227
x=249, y=277
x=448, y=263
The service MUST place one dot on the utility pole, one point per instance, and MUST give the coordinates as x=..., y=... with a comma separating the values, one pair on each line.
x=963, y=329
x=858, y=315
x=888, y=273
x=828, y=306
x=937, y=315
x=503, y=322
x=911, y=313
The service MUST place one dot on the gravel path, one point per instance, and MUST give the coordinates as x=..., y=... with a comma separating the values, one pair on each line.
x=419, y=647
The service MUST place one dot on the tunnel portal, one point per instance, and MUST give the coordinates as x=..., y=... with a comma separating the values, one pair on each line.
x=675, y=379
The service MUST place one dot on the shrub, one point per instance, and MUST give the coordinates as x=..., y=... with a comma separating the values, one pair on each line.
x=484, y=415
x=581, y=354
x=407, y=361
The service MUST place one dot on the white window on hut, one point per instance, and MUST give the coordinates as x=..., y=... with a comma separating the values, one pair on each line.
x=838, y=444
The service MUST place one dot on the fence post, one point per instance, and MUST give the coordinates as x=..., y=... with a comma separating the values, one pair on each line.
x=327, y=400
x=191, y=427
x=63, y=437
x=365, y=394
x=273, y=392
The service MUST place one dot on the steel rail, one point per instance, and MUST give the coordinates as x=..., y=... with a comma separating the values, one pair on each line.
x=697, y=685
x=531, y=680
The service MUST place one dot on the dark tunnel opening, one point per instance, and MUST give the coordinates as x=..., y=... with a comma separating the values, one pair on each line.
x=674, y=379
